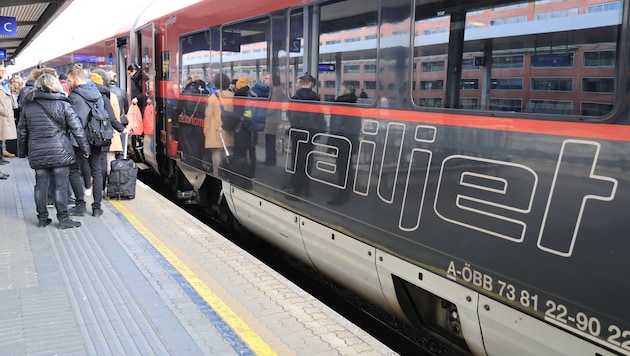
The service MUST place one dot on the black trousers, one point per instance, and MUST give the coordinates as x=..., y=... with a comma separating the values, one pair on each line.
x=60, y=180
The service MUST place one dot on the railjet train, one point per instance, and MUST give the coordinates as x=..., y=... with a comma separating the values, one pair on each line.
x=480, y=186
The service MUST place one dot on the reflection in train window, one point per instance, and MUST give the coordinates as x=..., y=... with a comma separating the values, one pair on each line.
x=346, y=51
x=245, y=50
x=541, y=57
x=196, y=59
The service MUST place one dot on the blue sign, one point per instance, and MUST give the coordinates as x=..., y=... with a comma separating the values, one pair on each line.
x=3, y=54
x=8, y=26
x=195, y=42
x=552, y=60
x=326, y=67
x=231, y=41
x=83, y=58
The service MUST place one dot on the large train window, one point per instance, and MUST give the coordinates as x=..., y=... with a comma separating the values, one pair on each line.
x=540, y=57
x=245, y=52
x=196, y=60
x=342, y=37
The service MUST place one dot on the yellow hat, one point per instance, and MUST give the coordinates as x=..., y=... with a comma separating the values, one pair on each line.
x=242, y=82
x=96, y=78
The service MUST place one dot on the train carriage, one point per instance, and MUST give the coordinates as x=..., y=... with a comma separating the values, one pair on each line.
x=485, y=184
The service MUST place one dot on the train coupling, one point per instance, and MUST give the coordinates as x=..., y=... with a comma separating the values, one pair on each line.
x=190, y=196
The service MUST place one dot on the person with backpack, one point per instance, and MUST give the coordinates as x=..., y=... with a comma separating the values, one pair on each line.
x=100, y=77
x=95, y=111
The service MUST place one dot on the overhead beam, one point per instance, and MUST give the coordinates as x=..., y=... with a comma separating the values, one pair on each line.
x=27, y=23
x=12, y=39
x=7, y=3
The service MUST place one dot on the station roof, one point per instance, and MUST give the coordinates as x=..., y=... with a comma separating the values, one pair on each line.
x=32, y=17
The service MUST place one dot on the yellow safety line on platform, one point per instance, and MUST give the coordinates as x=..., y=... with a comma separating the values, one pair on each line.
x=226, y=313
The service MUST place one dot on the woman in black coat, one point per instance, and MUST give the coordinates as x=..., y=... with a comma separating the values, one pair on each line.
x=135, y=73
x=44, y=129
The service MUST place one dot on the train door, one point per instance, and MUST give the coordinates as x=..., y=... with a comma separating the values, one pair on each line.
x=121, y=61
x=145, y=52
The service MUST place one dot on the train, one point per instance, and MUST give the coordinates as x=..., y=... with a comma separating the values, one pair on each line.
x=482, y=190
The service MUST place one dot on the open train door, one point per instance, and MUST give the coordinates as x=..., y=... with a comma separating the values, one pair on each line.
x=145, y=148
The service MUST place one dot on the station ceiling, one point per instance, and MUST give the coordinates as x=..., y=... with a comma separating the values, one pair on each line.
x=32, y=17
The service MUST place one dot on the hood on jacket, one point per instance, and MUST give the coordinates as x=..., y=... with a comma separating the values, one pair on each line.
x=88, y=92
x=79, y=97
x=103, y=90
x=261, y=90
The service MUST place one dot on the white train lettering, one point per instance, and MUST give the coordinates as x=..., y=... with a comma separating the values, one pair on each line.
x=468, y=196
x=489, y=196
x=390, y=162
x=560, y=238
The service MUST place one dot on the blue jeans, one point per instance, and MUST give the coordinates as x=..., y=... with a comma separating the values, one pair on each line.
x=60, y=181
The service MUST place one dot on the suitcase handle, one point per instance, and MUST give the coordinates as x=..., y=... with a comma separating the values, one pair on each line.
x=125, y=139
x=227, y=153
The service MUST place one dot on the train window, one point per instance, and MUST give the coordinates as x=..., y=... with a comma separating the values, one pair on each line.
x=245, y=53
x=343, y=41
x=196, y=62
x=540, y=57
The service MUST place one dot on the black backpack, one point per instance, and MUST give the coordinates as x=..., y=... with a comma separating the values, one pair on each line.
x=99, y=130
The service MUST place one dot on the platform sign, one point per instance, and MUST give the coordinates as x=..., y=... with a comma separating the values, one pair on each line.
x=552, y=60
x=231, y=41
x=479, y=61
x=326, y=67
x=195, y=42
x=8, y=26
x=3, y=54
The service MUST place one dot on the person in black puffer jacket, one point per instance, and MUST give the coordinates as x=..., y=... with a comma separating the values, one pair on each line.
x=44, y=128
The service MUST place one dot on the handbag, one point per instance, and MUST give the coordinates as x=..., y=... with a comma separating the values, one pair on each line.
x=148, y=120
x=134, y=117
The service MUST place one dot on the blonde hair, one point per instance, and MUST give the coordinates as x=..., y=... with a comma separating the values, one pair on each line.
x=48, y=83
x=35, y=73
x=51, y=71
x=77, y=73
x=346, y=89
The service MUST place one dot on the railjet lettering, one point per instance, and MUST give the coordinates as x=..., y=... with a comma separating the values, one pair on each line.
x=467, y=194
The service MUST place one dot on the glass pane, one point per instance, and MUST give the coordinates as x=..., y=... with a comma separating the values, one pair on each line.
x=245, y=50
x=347, y=50
x=196, y=59
x=546, y=57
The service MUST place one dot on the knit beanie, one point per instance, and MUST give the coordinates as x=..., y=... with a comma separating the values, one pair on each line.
x=97, y=79
x=242, y=82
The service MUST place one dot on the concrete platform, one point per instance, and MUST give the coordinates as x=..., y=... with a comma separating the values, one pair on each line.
x=146, y=278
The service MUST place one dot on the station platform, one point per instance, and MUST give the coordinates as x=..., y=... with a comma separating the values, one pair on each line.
x=146, y=278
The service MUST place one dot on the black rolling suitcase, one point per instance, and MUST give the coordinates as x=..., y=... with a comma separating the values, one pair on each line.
x=121, y=182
